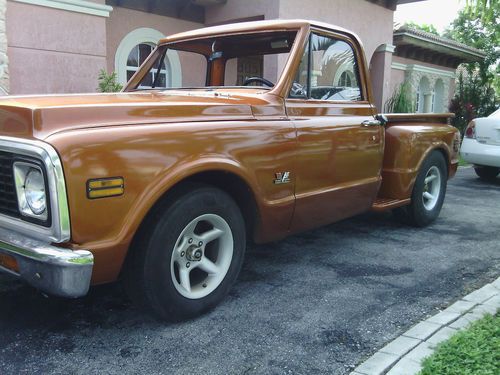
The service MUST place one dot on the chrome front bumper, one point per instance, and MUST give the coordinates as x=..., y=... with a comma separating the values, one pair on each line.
x=53, y=270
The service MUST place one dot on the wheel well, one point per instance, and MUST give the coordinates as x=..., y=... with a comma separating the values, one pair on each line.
x=445, y=156
x=230, y=183
x=236, y=187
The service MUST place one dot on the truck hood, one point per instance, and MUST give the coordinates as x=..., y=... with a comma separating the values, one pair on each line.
x=41, y=116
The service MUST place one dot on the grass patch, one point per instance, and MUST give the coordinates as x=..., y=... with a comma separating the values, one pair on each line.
x=474, y=351
x=462, y=162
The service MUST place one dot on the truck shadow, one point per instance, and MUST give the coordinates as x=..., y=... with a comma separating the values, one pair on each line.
x=24, y=308
x=35, y=327
x=471, y=180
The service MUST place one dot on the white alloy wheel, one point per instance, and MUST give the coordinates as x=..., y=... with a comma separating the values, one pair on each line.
x=202, y=256
x=432, y=188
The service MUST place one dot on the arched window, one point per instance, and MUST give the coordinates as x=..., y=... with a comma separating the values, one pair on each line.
x=439, y=100
x=137, y=57
x=424, y=96
x=135, y=48
x=346, y=79
x=344, y=75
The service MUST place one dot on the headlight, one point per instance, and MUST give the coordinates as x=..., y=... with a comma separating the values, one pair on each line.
x=34, y=188
x=30, y=187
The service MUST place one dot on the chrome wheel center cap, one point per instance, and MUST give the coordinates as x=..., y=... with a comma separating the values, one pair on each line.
x=194, y=253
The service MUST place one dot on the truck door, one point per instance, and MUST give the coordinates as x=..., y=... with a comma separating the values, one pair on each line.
x=340, y=144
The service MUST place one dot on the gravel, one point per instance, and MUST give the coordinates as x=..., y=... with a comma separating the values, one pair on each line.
x=318, y=302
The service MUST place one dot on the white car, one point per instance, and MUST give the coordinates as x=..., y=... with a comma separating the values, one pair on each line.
x=481, y=145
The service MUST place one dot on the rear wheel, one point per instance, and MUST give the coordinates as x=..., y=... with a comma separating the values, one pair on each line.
x=486, y=173
x=190, y=256
x=428, y=192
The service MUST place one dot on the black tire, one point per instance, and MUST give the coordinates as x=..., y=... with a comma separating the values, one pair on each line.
x=486, y=173
x=148, y=278
x=421, y=212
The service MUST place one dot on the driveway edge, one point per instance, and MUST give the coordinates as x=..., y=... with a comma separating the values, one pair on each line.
x=404, y=354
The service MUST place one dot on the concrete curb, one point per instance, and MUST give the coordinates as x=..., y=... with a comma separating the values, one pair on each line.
x=404, y=355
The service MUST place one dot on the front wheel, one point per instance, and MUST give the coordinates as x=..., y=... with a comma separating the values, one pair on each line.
x=428, y=192
x=192, y=255
x=486, y=173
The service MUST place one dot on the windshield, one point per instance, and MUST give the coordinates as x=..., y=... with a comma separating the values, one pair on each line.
x=252, y=59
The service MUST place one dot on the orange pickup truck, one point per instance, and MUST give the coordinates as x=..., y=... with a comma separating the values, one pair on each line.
x=228, y=134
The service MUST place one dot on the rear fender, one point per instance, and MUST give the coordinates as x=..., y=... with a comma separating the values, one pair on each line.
x=407, y=146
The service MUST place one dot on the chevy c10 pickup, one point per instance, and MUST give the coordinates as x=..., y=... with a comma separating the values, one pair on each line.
x=227, y=134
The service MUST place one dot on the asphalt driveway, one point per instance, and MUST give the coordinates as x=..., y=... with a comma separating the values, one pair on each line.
x=316, y=303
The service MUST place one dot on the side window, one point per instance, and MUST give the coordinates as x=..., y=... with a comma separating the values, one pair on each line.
x=333, y=72
x=300, y=83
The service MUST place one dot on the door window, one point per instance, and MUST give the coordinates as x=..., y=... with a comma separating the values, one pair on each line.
x=328, y=71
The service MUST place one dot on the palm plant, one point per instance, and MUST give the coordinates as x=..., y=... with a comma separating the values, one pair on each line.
x=332, y=50
x=108, y=82
x=401, y=100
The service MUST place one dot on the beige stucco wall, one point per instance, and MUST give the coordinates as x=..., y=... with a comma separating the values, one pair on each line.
x=241, y=9
x=123, y=21
x=53, y=50
x=235, y=10
x=65, y=50
x=4, y=62
x=372, y=23
x=57, y=51
x=397, y=77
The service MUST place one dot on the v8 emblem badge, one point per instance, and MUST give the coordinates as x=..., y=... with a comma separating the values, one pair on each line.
x=282, y=178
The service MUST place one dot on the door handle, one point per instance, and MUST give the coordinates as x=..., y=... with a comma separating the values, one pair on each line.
x=371, y=123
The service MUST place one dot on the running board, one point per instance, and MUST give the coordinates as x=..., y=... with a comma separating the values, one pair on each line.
x=384, y=204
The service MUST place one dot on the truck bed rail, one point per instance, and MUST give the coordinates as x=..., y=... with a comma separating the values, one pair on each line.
x=442, y=118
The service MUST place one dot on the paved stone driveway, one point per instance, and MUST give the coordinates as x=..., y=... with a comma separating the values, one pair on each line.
x=316, y=303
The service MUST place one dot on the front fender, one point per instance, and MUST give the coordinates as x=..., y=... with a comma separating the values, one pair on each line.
x=152, y=159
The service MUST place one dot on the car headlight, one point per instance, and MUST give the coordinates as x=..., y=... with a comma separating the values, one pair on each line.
x=31, y=190
x=34, y=188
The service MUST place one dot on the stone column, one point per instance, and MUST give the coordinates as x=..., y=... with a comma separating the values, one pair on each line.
x=4, y=61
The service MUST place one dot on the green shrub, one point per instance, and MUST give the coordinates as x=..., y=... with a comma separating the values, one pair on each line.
x=401, y=100
x=108, y=83
x=472, y=99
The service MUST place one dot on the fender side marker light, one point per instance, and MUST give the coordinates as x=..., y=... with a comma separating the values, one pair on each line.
x=105, y=187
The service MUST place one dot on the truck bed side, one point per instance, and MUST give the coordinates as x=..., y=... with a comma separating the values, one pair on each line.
x=409, y=138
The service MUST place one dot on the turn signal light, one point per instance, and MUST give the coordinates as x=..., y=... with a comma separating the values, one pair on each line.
x=105, y=187
x=8, y=262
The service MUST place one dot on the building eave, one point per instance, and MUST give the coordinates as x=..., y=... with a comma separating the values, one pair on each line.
x=78, y=6
x=427, y=47
x=392, y=4
x=187, y=10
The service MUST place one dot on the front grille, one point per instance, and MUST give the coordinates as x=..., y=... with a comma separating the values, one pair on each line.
x=8, y=199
